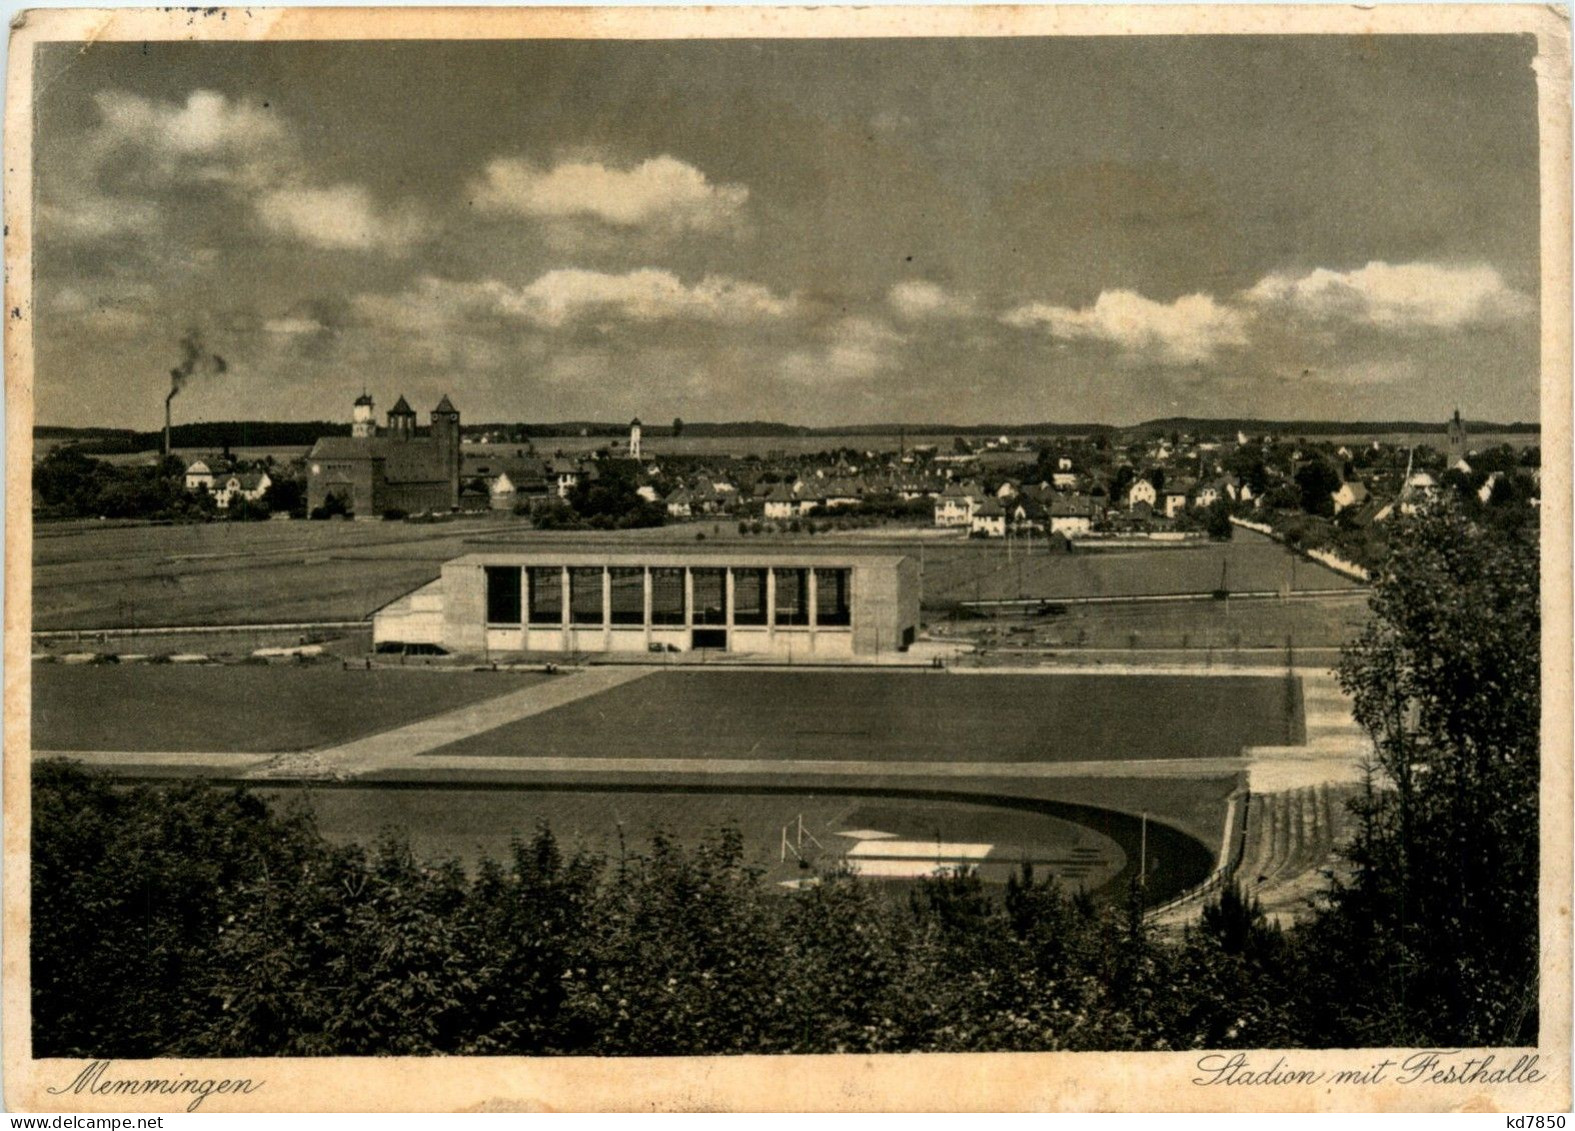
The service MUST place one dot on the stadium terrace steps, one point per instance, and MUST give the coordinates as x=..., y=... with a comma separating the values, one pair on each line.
x=1290, y=845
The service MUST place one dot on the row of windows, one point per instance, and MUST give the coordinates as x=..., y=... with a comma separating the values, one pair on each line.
x=538, y=592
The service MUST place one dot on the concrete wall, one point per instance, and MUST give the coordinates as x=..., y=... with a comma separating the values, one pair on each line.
x=464, y=608
x=415, y=618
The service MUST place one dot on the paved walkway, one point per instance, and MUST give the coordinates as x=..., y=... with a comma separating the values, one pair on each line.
x=404, y=744
x=786, y=767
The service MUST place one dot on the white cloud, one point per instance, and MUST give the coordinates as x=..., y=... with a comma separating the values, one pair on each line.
x=646, y=295
x=1402, y=296
x=854, y=348
x=568, y=295
x=662, y=192
x=292, y=325
x=208, y=122
x=919, y=299
x=1193, y=328
x=82, y=215
x=342, y=216
x=206, y=138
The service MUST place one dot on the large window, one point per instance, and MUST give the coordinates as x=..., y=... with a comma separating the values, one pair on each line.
x=503, y=594
x=585, y=596
x=749, y=596
x=792, y=597
x=710, y=596
x=667, y=596
x=628, y=595
x=833, y=598
x=546, y=595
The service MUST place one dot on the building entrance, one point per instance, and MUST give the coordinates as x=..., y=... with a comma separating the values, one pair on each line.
x=709, y=638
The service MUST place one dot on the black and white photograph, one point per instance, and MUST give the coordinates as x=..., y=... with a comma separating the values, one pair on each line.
x=661, y=536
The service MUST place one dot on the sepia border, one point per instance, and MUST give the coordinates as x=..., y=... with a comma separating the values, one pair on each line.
x=913, y=1082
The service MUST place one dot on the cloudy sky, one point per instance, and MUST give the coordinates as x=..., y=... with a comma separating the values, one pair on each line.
x=818, y=232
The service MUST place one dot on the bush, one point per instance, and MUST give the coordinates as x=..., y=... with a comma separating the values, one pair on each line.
x=395, y=514
x=333, y=506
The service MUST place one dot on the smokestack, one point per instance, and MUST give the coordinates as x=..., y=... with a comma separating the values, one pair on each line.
x=195, y=358
x=167, y=399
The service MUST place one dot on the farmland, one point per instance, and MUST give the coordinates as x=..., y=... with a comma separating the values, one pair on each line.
x=907, y=716
x=259, y=709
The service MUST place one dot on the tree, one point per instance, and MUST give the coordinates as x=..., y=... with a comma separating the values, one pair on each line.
x=1317, y=482
x=678, y=427
x=1216, y=520
x=287, y=495
x=1434, y=939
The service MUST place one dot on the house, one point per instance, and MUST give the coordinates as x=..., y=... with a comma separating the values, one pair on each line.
x=680, y=504
x=954, y=507
x=1071, y=515
x=783, y=502
x=1026, y=515
x=199, y=475
x=843, y=493
x=248, y=485
x=1007, y=490
x=564, y=476
x=989, y=519
x=1349, y=495
x=1142, y=491
x=1175, y=496
x=1063, y=479
x=501, y=493
x=1209, y=494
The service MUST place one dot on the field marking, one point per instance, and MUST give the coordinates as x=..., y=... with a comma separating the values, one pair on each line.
x=400, y=745
x=919, y=850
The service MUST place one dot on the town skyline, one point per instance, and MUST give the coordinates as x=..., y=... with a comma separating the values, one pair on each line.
x=814, y=232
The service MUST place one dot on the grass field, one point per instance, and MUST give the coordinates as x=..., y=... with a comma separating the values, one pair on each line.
x=87, y=576
x=233, y=573
x=1249, y=562
x=1309, y=622
x=908, y=716
x=1081, y=846
x=240, y=709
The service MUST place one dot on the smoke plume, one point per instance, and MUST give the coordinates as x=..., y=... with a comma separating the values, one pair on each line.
x=195, y=359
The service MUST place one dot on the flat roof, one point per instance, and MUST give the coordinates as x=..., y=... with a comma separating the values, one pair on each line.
x=669, y=557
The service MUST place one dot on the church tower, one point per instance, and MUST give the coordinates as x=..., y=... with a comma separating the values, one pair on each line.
x=1457, y=439
x=445, y=438
x=402, y=420
x=362, y=424
x=634, y=438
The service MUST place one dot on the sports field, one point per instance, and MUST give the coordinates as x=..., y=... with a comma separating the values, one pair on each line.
x=988, y=571
x=908, y=716
x=1306, y=622
x=85, y=576
x=89, y=576
x=880, y=835
x=257, y=709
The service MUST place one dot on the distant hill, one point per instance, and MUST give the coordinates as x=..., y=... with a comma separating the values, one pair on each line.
x=265, y=433
x=213, y=434
x=1229, y=426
